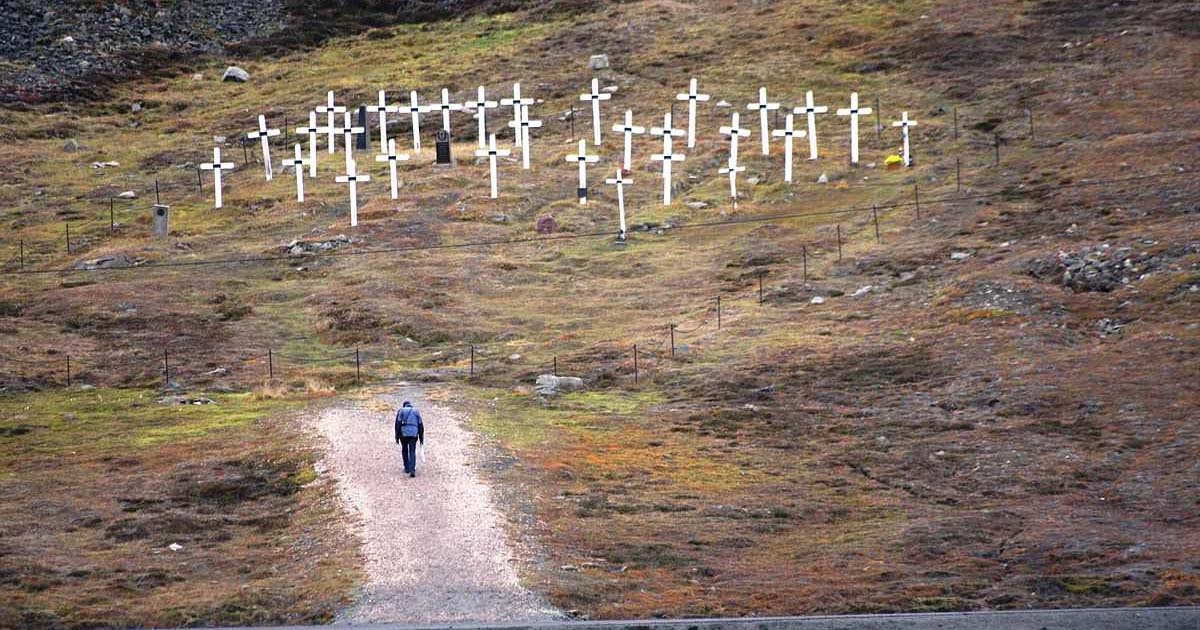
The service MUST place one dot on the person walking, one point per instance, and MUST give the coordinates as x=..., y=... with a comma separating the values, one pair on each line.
x=409, y=430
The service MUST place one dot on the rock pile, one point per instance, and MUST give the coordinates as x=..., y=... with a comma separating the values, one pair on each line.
x=1103, y=268
x=55, y=47
x=304, y=248
x=551, y=385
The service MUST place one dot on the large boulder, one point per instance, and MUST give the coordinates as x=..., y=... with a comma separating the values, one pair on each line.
x=236, y=74
x=551, y=385
x=598, y=62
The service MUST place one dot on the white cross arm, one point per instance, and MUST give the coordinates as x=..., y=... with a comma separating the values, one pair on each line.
x=725, y=170
x=327, y=109
x=628, y=128
x=346, y=179
x=759, y=106
x=528, y=123
x=729, y=131
x=481, y=104
x=614, y=181
x=516, y=101
x=490, y=152
x=218, y=166
x=386, y=157
x=795, y=133
x=583, y=158
x=673, y=157
x=863, y=111
x=595, y=96
x=684, y=96
x=815, y=109
x=385, y=109
x=659, y=131
x=905, y=123
x=255, y=135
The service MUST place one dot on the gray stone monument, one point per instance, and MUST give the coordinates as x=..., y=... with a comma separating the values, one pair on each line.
x=162, y=220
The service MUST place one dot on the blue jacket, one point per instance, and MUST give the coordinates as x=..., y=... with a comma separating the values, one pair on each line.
x=409, y=424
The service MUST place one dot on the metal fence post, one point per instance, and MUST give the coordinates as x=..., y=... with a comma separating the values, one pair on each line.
x=718, y=312
x=917, y=196
x=270, y=364
x=166, y=370
x=68, y=370
x=472, y=360
x=804, y=264
x=635, y=363
x=839, y=241
x=357, y=366
x=875, y=218
x=672, y=341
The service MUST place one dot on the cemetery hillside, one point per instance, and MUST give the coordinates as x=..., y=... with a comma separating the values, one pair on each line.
x=958, y=373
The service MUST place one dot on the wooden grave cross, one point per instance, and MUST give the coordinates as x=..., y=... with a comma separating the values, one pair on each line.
x=854, y=111
x=619, y=181
x=330, y=109
x=481, y=105
x=811, y=111
x=516, y=102
x=352, y=178
x=446, y=107
x=491, y=154
x=522, y=125
x=392, y=158
x=763, y=107
x=788, y=133
x=383, y=109
x=583, y=159
x=904, y=123
x=595, y=96
x=667, y=156
x=312, y=130
x=691, y=96
x=216, y=166
x=264, y=134
x=628, y=129
x=298, y=164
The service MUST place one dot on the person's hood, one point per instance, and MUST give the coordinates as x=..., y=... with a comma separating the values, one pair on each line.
x=407, y=403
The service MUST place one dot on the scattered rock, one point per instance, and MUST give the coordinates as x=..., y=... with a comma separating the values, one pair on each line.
x=128, y=194
x=823, y=179
x=817, y=300
x=105, y=164
x=546, y=224
x=960, y=255
x=753, y=181
x=1103, y=268
x=107, y=262
x=724, y=104
x=696, y=205
x=598, y=62
x=199, y=76
x=182, y=399
x=71, y=146
x=236, y=74
x=68, y=40
x=611, y=89
x=551, y=385
x=136, y=107
x=304, y=248
x=174, y=546
x=862, y=291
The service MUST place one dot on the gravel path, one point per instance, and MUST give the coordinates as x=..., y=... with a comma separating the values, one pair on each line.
x=434, y=545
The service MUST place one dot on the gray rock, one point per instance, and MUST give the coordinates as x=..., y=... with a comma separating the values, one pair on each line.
x=106, y=262
x=71, y=146
x=551, y=385
x=136, y=107
x=611, y=89
x=696, y=205
x=823, y=179
x=598, y=62
x=724, y=104
x=236, y=74
x=128, y=194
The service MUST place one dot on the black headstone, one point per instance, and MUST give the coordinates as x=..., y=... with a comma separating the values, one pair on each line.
x=442, y=141
x=362, y=122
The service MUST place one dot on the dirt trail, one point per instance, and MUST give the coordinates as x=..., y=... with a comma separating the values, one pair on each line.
x=434, y=545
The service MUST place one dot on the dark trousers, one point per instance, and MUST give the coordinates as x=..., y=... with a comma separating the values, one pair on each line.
x=408, y=447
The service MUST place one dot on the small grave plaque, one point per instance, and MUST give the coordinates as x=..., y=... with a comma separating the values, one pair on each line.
x=442, y=142
x=162, y=216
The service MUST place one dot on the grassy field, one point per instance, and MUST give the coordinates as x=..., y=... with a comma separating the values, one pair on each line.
x=964, y=434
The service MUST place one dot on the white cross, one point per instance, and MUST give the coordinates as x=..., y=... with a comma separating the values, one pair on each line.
x=904, y=123
x=351, y=178
x=583, y=158
x=491, y=154
x=666, y=157
x=811, y=111
x=312, y=130
x=628, y=129
x=481, y=105
x=330, y=109
x=595, y=96
x=416, y=111
x=788, y=133
x=763, y=107
x=691, y=96
x=216, y=166
x=383, y=109
x=264, y=134
x=348, y=131
x=732, y=170
x=298, y=164
x=620, y=182
x=392, y=158
x=522, y=125
x=734, y=131
x=446, y=106
x=853, y=112
x=516, y=102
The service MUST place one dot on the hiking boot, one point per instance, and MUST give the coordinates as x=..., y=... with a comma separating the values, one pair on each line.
x=412, y=474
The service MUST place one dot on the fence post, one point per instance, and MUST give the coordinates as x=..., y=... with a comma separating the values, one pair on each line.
x=270, y=365
x=68, y=227
x=472, y=360
x=556, y=365
x=956, y=123
x=996, y=144
x=839, y=241
x=875, y=218
x=957, y=175
x=68, y=370
x=112, y=216
x=199, y=178
x=21, y=253
x=804, y=264
x=635, y=363
x=917, y=195
x=718, y=312
x=245, y=153
x=166, y=370
x=357, y=366
x=572, y=121
x=672, y=341
x=1029, y=112
x=157, y=199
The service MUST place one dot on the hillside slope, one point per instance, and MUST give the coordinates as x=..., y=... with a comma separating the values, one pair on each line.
x=992, y=405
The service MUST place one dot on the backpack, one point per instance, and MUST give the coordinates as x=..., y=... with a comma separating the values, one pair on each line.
x=407, y=420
